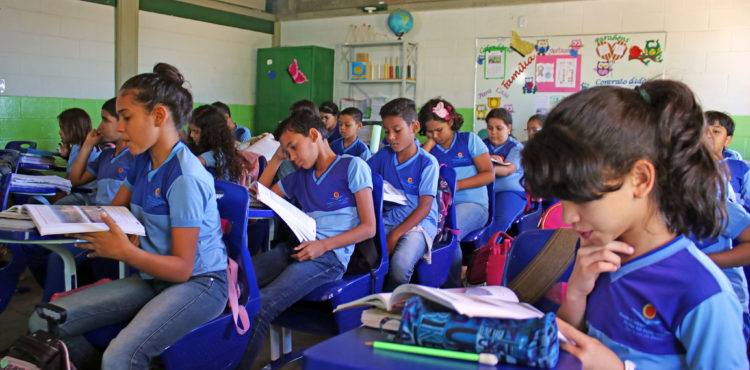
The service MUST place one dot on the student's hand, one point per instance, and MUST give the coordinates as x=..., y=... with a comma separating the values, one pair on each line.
x=113, y=244
x=64, y=150
x=391, y=241
x=592, y=353
x=93, y=138
x=428, y=145
x=497, y=158
x=592, y=261
x=309, y=250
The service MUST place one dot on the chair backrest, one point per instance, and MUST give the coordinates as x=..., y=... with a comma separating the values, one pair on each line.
x=377, y=202
x=20, y=145
x=233, y=201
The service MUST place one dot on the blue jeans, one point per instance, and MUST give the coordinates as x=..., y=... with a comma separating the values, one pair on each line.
x=469, y=217
x=283, y=282
x=508, y=206
x=159, y=313
x=409, y=249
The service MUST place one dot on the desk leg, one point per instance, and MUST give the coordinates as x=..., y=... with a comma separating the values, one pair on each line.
x=271, y=232
x=275, y=343
x=123, y=268
x=69, y=264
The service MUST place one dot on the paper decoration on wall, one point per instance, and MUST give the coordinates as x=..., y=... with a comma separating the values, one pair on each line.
x=603, y=68
x=542, y=46
x=528, y=86
x=651, y=52
x=481, y=111
x=493, y=102
x=494, y=62
x=480, y=59
x=509, y=108
x=522, y=47
x=272, y=75
x=297, y=76
x=558, y=73
x=585, y=85
x=575, y=45
x=610, y=49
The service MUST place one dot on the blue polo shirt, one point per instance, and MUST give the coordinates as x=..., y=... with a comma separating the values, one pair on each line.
x=416, y=177
x=329, y=199
x=670, y=308
x=739, y=179
x=334, y=134
x=356, y=149
x=731, y=154
x=74, y=150
x=178, y=193
x=459, y=156
x=511, y=152
x=110, y=172
x=241, y=133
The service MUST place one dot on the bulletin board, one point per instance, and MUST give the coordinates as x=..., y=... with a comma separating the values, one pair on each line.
x=528, y=75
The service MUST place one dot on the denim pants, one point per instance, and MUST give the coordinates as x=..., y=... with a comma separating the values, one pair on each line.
x=409, y=249
x=159, y=313
x=469, y=217
x=508, y=206
x=283, y=282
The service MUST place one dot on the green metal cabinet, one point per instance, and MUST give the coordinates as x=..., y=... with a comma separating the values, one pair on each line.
x=275, y=89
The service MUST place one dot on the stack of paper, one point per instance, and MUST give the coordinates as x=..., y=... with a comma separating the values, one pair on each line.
x=40, y=182
x=301, y=224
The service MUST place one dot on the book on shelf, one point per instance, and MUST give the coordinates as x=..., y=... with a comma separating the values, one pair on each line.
x=266, y=146
x=302, y=225
x=484, y=301
x=40, y=182
x=52, y=220
x=393, y=195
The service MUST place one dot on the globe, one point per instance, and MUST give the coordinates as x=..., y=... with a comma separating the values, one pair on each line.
x=400, y=22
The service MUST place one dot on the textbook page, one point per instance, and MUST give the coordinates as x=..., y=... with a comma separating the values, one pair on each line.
x=266, y=147
x=51, y=220
x=393, y=195
x=301, y=224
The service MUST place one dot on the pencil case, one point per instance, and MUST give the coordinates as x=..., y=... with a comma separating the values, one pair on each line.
x=530, y=342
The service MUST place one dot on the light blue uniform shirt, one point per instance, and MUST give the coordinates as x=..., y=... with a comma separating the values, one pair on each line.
x=178, y=193
x=511, y=152
x=416, y=177
x=459, y=156
x=330, y=199
x=731, y=154
x=357, y=149
x=74, y=150
x=241, y=133
x=668, y=309
x=110, y=172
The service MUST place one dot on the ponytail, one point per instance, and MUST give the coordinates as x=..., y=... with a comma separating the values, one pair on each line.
x=164, y=86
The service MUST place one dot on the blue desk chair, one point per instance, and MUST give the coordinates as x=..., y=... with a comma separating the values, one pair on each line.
x=215, y=344
x=481, y=236
x=434, y=274
x=528, y=221
x=524, y=248
x=9, y=274
x=314, y=312
x=20, y=145
x=37, y=193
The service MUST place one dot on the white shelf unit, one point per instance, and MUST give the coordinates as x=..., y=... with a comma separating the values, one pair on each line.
x=407, y=55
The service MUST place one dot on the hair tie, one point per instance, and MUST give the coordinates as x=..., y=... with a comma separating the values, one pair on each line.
x=644, y=94
x=442, y=111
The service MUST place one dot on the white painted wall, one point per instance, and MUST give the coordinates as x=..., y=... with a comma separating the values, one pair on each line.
x=65, y=48
x=708, y=41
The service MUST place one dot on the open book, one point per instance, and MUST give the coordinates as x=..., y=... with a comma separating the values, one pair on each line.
x=15, y=218
x=302, y=225
x=393, y=195
x=51, y=220
x=485, y=301
x=266, y=146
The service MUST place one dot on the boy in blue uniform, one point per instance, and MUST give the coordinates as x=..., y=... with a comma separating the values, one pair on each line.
x=635, y=176
x=350, y=121
x=334, y=190
x=411, y=228
x=722, y=128
x=240, y=133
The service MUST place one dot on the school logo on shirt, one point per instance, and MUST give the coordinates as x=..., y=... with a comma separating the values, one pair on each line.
x=336, y=194
x=410, y=180
x=120, y=170
x=157, y=191
x=460, y=155
x=649, y=311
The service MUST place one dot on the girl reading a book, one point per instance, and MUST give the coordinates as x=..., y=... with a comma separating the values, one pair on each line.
x=182, y=260
x=336, y=191
x=635, y=176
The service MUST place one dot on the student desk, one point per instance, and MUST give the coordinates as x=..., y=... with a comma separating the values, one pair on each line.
x=51, y=242
x=348, y=351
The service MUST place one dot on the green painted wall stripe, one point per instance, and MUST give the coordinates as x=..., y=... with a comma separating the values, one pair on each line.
x=200, y=13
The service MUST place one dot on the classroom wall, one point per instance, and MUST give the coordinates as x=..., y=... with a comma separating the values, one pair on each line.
x=708, y=42
x=57, y=54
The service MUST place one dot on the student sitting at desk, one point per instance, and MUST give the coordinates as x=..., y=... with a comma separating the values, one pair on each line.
x=334, y=190
x=410, y=228
x=350, y=121
x=75, y=125
x=213, y=143
x=635, y=176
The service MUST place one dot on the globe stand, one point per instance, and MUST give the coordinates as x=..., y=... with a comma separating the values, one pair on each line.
x=399, y=35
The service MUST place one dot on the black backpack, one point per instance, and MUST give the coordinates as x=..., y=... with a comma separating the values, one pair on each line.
x=41, y=349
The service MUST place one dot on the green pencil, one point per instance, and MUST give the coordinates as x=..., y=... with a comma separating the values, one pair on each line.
x=482, y=358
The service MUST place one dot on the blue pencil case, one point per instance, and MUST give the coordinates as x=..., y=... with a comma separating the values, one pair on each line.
x=530, y=342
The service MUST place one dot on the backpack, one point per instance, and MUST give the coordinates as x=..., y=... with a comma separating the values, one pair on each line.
x=249, y=162
x=41, y=349
x=444, y=199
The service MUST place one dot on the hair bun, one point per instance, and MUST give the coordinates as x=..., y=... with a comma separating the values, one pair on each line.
x=169, y=73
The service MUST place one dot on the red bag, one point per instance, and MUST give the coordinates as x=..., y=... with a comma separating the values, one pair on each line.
x=486, y=263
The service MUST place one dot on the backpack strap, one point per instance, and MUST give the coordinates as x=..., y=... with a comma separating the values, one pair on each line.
x=546, y=267
x=238, y=311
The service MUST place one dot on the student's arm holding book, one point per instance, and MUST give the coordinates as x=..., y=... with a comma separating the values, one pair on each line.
x=78, y=174
x=503, y=170
x=427, y=191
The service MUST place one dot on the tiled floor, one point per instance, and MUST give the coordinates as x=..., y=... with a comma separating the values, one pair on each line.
x=13, y=323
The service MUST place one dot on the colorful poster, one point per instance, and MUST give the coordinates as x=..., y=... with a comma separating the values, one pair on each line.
x=494, y=62
x=560, y=73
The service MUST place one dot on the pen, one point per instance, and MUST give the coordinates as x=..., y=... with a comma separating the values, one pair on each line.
x=482, y=358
